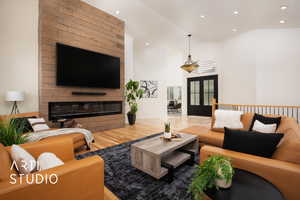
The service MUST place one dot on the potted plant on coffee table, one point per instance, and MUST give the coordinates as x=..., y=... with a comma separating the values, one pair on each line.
x=216, y=172
x=133, y=94
x=167, y=133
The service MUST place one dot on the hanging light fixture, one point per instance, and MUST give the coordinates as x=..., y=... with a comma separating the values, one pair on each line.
x=190, y=65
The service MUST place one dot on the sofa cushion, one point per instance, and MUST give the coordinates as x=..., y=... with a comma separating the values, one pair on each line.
x=76, y=137
x=264, y=128
x=38, y=124
x=25, y=162
x=246, y=120
x=48, y=160
x=289, y=148
x=288, y=151
x=254, y=143
x=206, y=135
x=265, y=120
x=228, y=118
x=5, y=164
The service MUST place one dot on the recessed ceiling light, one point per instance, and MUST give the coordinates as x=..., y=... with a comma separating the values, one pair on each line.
x=282, y=21
x=202, y=16
x=147, y=44
x=117, y=12
x=234, y=30
x=236, y=12
x=283, y=7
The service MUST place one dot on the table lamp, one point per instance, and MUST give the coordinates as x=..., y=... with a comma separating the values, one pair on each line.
x=14, y=96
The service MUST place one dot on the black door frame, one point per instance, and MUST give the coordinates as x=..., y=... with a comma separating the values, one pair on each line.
x=201, y=110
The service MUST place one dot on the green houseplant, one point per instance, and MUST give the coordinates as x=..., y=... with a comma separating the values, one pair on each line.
x=133, y=94
x=167, y=133
x=11, y=132
x=216, y=171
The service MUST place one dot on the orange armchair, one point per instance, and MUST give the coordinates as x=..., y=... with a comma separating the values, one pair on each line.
x=77, y=179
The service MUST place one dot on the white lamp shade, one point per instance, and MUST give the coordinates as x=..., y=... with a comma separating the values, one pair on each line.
x=14, y=96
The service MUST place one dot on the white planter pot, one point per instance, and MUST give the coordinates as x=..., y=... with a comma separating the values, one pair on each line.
x=221, y=183
x=167, y=135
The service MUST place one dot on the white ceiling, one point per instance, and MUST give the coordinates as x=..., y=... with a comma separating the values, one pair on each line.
x=170, y=20
x=219, y=18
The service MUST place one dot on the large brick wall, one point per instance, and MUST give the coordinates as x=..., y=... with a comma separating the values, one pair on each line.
x=78, y=24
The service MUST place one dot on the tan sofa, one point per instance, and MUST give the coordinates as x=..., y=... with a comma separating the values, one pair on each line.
x=77, y=179
x=282, y=170
x=77, y=138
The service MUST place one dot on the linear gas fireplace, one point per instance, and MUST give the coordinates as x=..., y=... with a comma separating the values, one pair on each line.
x=71, y=110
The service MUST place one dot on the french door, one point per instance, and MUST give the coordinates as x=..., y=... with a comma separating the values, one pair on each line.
x=200, y=92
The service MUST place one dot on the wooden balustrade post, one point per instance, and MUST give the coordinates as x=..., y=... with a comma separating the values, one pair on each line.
x=213, y=106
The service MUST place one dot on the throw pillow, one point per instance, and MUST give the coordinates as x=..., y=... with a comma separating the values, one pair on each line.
x=255, y=143
x=228, y=118
x=265, y=120
x=38, y=124
x=24, y=161
x=264, y=128
x=48, y=160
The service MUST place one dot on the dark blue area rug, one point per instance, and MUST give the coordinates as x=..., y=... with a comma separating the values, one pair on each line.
x=129, y=183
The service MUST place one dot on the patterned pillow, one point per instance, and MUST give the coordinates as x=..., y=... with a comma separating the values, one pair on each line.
x=38, y=124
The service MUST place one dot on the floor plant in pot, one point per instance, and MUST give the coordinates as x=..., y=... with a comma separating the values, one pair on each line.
x=11, y=132
x=216, y=171
x=133, y=94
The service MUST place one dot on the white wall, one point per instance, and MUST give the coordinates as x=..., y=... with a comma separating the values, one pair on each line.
x=129, y=73
x=278, y=67
x=19, y=52
x=238, y=69
x=261, y=67
x=161, y=63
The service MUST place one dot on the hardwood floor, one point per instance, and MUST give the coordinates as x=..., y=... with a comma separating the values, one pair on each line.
x=143, y=128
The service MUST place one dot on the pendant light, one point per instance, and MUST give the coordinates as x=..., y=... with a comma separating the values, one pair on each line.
x=190, y=65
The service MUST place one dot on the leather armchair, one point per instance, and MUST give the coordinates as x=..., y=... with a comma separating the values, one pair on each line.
x=284, y=175
x=77, y=179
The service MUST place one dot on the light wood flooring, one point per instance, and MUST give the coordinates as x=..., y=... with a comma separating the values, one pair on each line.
x=143, y=128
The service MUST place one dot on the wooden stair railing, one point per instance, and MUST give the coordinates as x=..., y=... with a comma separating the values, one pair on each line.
x=288, y=111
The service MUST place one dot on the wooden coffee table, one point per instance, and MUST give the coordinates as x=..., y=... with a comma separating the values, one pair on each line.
x=158, y=157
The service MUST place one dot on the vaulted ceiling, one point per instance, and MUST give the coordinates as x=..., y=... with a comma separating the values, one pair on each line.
x=209, y=20
x=216, y=20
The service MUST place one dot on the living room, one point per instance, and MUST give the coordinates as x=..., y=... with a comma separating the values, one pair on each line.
x=150, y=97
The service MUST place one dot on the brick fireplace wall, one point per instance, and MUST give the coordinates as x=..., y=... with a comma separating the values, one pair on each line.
x=78, y=24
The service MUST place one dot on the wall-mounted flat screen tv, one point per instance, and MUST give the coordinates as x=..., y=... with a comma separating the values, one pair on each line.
x=83, y=68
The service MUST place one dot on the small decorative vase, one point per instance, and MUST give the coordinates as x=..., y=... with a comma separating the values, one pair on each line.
x=167, y=135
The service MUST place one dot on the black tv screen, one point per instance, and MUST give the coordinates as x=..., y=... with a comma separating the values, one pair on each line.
x=83, y=68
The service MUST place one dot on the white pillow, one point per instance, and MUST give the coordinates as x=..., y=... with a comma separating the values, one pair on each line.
x=48, y=160
x=38, y=124
x=228, y=118
x=24, y=161
x=264, y=128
